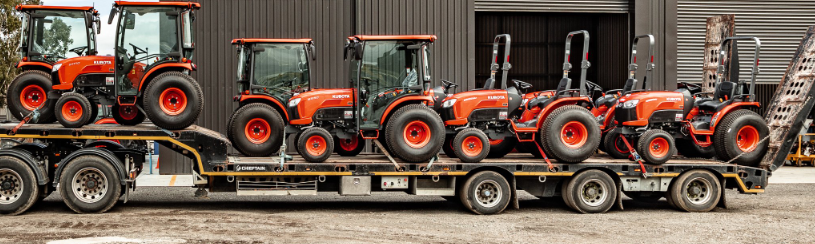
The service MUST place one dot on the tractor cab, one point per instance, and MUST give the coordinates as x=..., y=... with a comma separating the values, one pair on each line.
x=276, y=68
x=53, y=33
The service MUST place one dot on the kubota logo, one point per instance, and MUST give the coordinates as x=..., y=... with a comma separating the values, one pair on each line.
x=341, y=96
x=102, y=62
x=496, y=97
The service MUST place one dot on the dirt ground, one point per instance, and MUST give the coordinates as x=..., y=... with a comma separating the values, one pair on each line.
x=784, y=213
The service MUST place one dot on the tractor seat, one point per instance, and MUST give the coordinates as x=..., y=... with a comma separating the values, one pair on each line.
x=721, y=97
x=609, y=100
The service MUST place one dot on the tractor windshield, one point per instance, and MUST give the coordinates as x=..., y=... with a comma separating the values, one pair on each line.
x=280, y=69
x=388, y=69
x=57, y=34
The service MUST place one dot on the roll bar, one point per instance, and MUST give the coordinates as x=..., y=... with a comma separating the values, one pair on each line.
x=584, y=64
x=494, y=66
x=753, y=72
x=632, y=66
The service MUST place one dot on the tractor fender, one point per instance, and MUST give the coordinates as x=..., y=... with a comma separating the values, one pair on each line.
x=246, y=99
x=733, y=106
x=26, y=157
x=35, y=65
x=95, y=151
x=155, y=71
x=404, y=100
x=556, y=104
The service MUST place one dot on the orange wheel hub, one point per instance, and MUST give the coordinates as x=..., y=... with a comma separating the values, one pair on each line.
x=173, y=101
x=257, y=131
x=72, y=111
x=659, y=147
x=316, y=145
x=574, y=134
x=128, y=112
x=349, y=144
x=747, y=138
x=471, y=146
x=620, y=146
x=417, y=134
x=32, y=97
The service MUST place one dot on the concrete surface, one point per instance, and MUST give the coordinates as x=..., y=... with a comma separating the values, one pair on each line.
x=792, y=174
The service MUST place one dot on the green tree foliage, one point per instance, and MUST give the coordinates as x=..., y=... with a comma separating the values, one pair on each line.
x=10, y=35
x=57, y=38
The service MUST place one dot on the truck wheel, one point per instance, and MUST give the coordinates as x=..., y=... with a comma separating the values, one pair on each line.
x=127, y=114
x=73, y=110
x=689, y=149
x=415, y=133
x=644, y=196
x=485, y=192
x=18, y=186
x=656, y=146
x=471, y=145
x=569, y=134
x=614, y=144
x=695, y=191
x=256, y=130
x=349, y=147
x=173, y=100
x=590, y=191
x=315, y=144
x=448, y=147
x=741, y=132
x=89, y=184
x=500, y=148
x=28, y=91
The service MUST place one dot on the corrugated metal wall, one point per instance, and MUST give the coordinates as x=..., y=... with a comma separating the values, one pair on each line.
x=580, y=6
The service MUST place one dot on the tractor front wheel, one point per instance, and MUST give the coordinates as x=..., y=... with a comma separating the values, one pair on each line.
x=471, y=145
x=415, y=133
x=349, y=147
x=315, y=144
x=127, y=114
x=173, y=100
x=73, y=110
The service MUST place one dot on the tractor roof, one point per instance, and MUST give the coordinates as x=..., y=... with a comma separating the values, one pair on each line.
x=44, y=7
x=176, y=4
x=429, y=38
x=263, y=40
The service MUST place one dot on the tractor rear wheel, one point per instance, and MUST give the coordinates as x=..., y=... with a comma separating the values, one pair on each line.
x=500, y=148
x=471, y=145
x=415, y=133
x=173, y=100
x=73, y=110
x=349, y=147
x=448, y=147
x=614, y=144
x=315, y=144
x=741, y=133
x=569, y=134
x=127, y=114
x=256, y=130
x=28, y=91
x=656, y=146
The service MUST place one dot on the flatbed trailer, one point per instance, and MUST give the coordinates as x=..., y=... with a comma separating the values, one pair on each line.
x=100, y=172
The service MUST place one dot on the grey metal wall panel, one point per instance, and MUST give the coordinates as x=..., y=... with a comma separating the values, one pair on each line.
x=580, y=6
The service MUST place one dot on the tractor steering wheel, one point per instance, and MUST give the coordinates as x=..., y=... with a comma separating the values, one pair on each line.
x=78, y=50
x=448, y=84
x=689, y=85
x=137, y=50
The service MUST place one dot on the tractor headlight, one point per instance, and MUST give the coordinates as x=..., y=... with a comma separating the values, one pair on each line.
x=630, y=103
x=294, y=102
x=449, y=103
x=56, y=67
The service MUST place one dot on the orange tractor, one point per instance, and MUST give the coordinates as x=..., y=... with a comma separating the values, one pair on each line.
x=653, y=119
x=148, y=75
x=45, y=39
x=391, y=94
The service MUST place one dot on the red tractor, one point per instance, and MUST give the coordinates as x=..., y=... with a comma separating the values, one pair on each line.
x=270, y=72
x=653, y=119
x=391, y=94
x=153, y=80
x=46, y=38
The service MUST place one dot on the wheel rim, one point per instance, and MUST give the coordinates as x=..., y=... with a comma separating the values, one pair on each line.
x=32, y=97
x=128, y=112
x=747, y=138
x=471, y=146
x=349, y=144
x=593, y=192
x=658, y=147
x=72, y=111
x=619, y=144
x=89, y=185
x=495, y=142
x=173, y=101
x=417, y=134
x=697, y=190
x=574, y=134
x=257, y=131
x=487, y=193
x=11, y=186
x=316, y=145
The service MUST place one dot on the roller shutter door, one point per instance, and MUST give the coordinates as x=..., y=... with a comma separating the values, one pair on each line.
x=563, y=6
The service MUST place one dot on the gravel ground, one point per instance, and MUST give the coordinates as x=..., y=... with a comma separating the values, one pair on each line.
x=172, y=215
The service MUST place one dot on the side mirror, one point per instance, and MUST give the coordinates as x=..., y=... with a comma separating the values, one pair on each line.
x=113, y=13
x=414, y=46
x=358, y=51
x=130, y=21
x=89, y=19
x=98, y=26
x=312, y=51
x=258, y=49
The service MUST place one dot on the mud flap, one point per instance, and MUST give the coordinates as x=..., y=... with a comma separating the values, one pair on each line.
x=723, y=202
x=515, y=203
x=620, y=195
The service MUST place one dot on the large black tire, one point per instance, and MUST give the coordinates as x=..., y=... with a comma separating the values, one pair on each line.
x=697, y=190
x=688, y=148
x=127, y=114
x=256, y=130
x=73, y=110
x=448, y=147
x=90, y=184
x=18, y=186
x=569, y=134
x=183, y=100
x=315, y=144
x=349, y=147
x=471, y=145
x=740, y=132
x=36, y=85
x=485, y=193
x=590, y=191
x=656, y=146
x=425, y=127
x=615, y=146
x=500, y=148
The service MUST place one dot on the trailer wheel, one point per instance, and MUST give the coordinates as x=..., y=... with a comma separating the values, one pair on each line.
x=741, y=132
x=349, y=147
x=18, y=186
x=590, y=191
x=569, y=134
x=485, y=192
x=256, y=130
x=415, y=133
x=315, y=144
x=656, y=146
x=28, y=91
x=500, y=148
x=689, y=149
x=73, y=110
x=644, y=196
x=127, y=114
x=448, y=147
x=89, y=184
x=471, y=145
x=173, y=100
x=614, y=144
x=695, y=191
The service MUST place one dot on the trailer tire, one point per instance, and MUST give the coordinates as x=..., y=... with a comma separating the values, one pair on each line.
x=18, y=186
x=567, y=134
x=73, y=110
x=173, y=100
x=656, y=146
x=590, y=191
x=256, y=130
x=315, y=144
x=90, y=184
x=127, y=114
x=500, y=148
x=27, y=91
x=741, y=131
x=349, y=147
x=448, y=148
x=697, y=190
x=485, y=193
x=689, y=149
x=614, y=145
x=415, y=133
x=471, y=145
